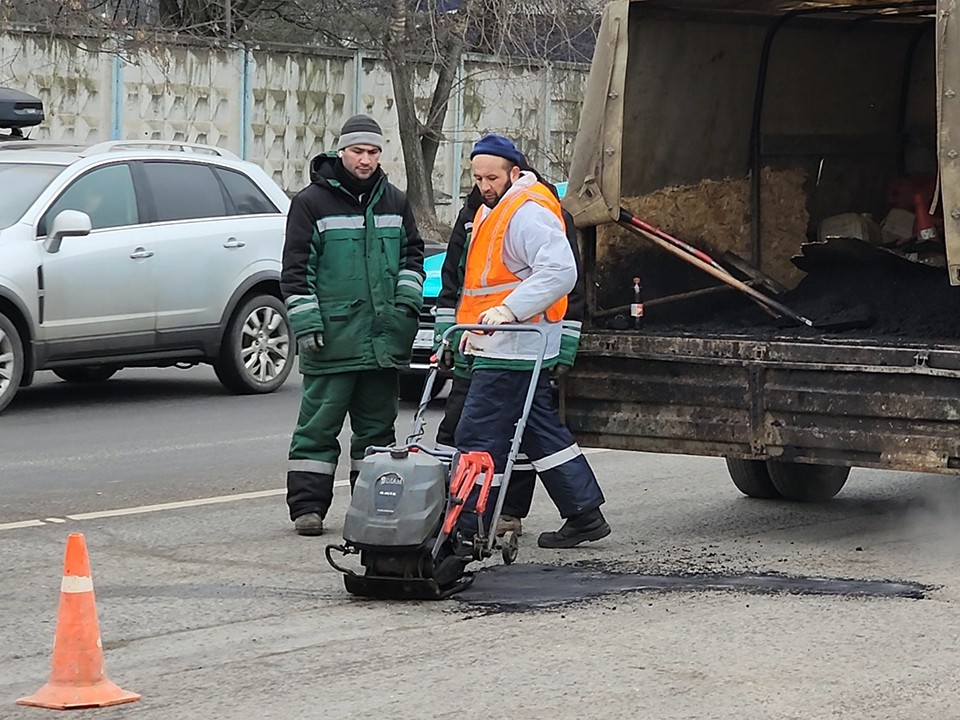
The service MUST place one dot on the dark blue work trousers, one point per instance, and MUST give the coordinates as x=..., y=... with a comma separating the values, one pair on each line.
x=488, y=422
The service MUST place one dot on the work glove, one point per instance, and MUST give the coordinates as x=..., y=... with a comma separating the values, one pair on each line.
x=452, y=358
x=447, y=359
x=444, y=319
x=439, y=329
x=311, y=342
x=499, y=315
x=569, y=343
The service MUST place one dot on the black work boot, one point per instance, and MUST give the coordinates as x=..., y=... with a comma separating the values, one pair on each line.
x=590, y=525
x=309, y=524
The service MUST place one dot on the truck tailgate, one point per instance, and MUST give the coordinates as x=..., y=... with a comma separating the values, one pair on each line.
x=893, y=407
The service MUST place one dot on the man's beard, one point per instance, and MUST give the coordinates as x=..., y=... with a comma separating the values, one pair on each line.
x=499, y=197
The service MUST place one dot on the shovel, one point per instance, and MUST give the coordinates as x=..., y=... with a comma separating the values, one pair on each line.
x=709, y=266
x=850, y=320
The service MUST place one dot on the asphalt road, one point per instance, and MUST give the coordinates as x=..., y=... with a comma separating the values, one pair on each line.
x=702, y=604
x=144, y=436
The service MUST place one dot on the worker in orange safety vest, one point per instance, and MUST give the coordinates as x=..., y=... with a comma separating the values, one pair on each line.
x=519, y=269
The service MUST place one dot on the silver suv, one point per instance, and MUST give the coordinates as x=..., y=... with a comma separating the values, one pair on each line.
x=134, y=253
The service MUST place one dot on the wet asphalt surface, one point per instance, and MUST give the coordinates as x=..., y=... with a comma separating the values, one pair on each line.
x=701, y=604
x=536, y=586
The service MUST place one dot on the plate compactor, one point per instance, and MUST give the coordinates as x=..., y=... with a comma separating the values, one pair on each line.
x=406, y=519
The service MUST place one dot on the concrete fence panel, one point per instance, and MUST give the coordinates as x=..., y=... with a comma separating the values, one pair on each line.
x=279, y=107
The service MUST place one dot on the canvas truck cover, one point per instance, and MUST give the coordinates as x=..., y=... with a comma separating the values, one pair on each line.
x=595, y=189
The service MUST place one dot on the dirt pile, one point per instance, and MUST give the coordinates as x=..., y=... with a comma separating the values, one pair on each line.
x=713, y=215
x=906, y=300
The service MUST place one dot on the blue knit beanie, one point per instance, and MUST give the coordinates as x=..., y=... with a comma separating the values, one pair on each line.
x=499, y=146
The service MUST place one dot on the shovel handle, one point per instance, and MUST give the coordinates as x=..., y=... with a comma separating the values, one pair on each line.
x=626, y=220
x=696, y=252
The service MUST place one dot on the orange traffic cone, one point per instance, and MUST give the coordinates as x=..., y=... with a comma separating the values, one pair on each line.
x=924, y=226
x=77, y=676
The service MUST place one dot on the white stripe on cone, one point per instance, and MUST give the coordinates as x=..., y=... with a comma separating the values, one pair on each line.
x=75, y=584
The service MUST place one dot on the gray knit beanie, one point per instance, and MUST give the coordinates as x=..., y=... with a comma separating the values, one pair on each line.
x=360, y=130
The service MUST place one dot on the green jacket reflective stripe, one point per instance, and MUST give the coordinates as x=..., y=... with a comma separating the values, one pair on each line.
x=353, y=272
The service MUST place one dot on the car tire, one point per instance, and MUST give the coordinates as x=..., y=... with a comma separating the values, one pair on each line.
x=87, y=373
x=11, y=361
x=411, y=387
x=256, y=354
x=752, y=478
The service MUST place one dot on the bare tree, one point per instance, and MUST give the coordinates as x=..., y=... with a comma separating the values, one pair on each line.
x=440, y=33
x=420, y=139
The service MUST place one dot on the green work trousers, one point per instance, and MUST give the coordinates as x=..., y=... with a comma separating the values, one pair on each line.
x=370, y=397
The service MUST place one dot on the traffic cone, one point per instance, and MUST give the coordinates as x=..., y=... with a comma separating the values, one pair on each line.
x=77, y=675
x=924, y=226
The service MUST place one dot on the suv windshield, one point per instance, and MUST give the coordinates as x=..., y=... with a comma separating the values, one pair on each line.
x=22, y=184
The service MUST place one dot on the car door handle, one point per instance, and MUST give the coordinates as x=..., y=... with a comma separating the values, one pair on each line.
x=141, y=253
x=234, y=243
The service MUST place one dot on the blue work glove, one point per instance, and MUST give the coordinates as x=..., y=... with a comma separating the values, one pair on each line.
x=445, y=318
x=311, y=342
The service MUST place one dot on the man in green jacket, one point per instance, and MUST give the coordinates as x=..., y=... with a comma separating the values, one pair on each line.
x=352, y=281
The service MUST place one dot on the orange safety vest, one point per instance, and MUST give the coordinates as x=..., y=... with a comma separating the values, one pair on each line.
x=487, y=281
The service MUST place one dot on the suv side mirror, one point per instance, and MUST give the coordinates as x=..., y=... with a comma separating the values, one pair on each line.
x=67, y=223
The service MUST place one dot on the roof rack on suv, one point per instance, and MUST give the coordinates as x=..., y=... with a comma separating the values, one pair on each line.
x=112, y=145
x=17, y=111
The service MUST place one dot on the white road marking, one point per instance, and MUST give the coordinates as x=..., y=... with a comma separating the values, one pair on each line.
x=22, y=524
x=140, y=509
x=216, y=500
x=119, y=512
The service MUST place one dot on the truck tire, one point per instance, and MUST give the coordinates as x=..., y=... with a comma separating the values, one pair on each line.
x=807, y=483
x=11, y=361
x=87, y=373
x=256, y=354
x=752, y=478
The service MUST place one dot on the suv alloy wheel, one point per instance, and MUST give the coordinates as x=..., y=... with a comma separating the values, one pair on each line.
x=256, y=355
x=11, y=361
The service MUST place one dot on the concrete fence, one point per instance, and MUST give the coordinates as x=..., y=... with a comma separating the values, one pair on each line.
x=278, y=107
